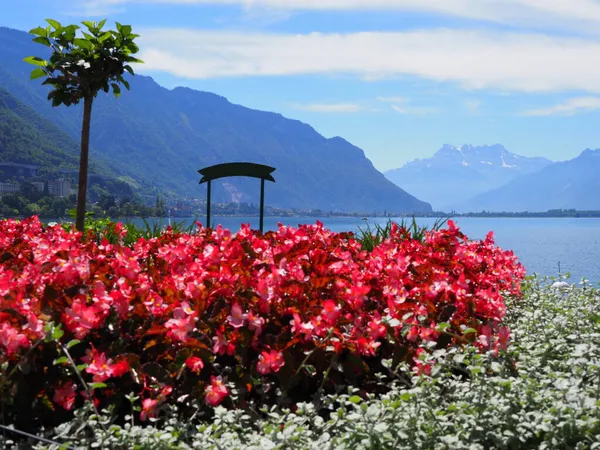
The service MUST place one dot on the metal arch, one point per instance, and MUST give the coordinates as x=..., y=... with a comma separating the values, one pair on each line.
x=237, y=169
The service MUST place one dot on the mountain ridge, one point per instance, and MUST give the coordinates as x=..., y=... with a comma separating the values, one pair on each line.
x=571, y=184
x=160, y=137
x=456, y=173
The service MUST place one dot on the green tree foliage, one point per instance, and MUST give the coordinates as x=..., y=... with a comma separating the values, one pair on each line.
x=80, y=66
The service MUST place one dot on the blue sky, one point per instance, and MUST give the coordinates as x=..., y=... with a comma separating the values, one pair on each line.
x=398, y=78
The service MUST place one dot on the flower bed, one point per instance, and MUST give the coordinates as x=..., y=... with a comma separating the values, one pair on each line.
x=239, y=320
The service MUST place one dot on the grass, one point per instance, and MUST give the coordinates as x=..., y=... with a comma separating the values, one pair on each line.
x=371, y=236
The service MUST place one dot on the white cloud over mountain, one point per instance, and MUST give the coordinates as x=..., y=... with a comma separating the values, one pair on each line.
x=473, y=59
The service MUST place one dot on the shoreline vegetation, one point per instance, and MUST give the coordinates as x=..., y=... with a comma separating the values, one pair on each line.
x=133, y=210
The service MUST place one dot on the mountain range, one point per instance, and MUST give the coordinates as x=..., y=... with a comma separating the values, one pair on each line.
x=490, y=178
x=455, y=174
x=158, y=138
x=573, y=184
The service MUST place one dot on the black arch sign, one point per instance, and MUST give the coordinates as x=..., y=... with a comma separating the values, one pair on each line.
x=237, y=169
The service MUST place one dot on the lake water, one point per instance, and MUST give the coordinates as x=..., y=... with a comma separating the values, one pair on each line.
x=540, y=243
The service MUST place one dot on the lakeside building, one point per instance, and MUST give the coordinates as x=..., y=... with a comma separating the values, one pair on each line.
x=57, y=188
x=9, y=188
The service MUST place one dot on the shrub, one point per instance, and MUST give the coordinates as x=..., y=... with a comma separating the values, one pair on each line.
x=542, y=392
x=240, y=320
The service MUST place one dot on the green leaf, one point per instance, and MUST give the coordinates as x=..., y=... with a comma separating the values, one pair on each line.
x=72, y=343
x=70, y=32
x=125, y=83
x=97, y=385
x=125, y=30
x=443, y=326
x=81, y=367
x=36, y=61
x=105, y=36
x=61, y=360
x=354, y=399
x=37, y=73
x=129, y=69
x=101, y=24
x=89, y=25
x=116, y=89
x=56, y=25
x=39, y=31
x=469, y=331
x=42, y=40
x=57, y=333
x=83, y=43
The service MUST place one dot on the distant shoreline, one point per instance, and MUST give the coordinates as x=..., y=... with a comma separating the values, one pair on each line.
x=553, y=214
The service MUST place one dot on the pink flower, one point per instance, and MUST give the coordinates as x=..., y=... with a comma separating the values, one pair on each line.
x=255, y=322
x=331, y=311
x=377, y=330
x=216, y=392
x=102, y=368
x=503, y=338
x=222, y=346
x=80, y=319
x=237, y=318
x=485, y=338
x=183, y=322
x=11, y=339
x=148, y=409
x=367, y=347
x=194, y=363
x=270, y=362
x=300, y=327
x=64, y=396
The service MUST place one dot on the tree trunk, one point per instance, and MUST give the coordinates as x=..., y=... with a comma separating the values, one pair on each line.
x=83, y=162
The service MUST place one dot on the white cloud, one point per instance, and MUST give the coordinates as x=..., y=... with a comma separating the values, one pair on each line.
x=526, y=62
x=416, y=110
x=562, y=13
x=568, y=108
x=329, y=107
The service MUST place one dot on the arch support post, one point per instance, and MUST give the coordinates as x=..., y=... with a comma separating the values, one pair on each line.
x=237, y=170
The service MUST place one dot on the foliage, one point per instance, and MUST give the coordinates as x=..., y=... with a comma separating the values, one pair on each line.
x=26, y=138
x=242, y=320
x=80, y=66
x=125, y=233
x=371, y=237
x=543, y=392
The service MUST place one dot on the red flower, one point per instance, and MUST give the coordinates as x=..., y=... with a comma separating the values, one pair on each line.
x=101, y=367
x=270, y=362
x=64, y=396
x=194, y=363
x=216, y=392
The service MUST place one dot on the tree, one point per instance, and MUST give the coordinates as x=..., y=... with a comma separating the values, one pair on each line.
x=80, y=66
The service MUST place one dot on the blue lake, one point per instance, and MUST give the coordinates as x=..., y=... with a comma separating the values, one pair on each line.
x=540, y=243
